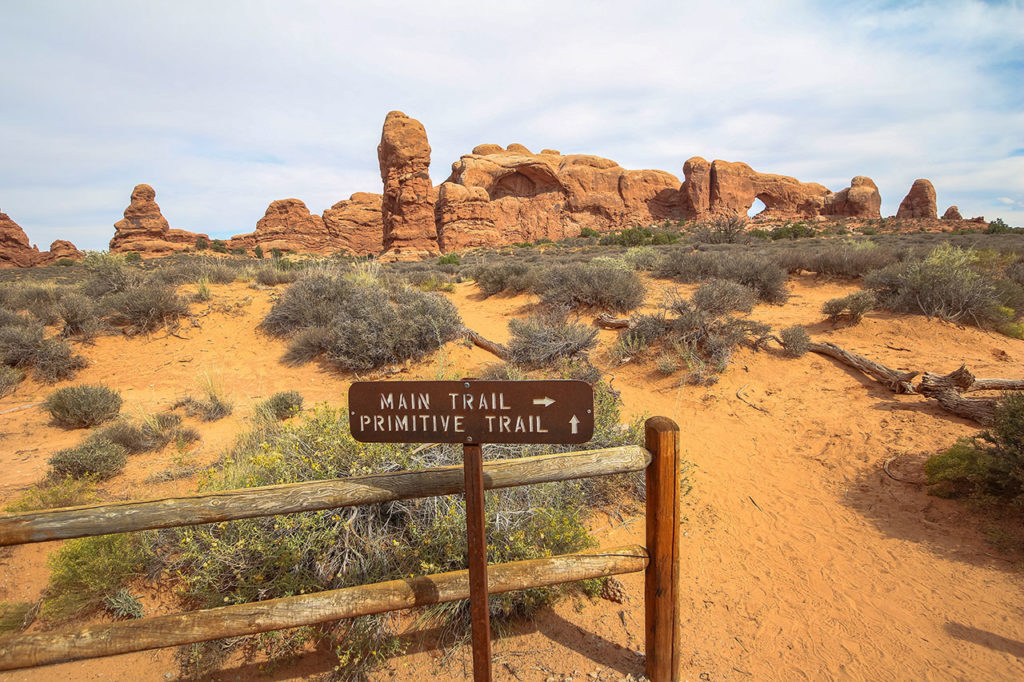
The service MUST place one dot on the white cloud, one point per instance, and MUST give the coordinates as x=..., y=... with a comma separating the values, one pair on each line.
x=224, y=107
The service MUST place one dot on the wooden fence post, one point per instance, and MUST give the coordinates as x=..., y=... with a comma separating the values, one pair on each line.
x=662, y=579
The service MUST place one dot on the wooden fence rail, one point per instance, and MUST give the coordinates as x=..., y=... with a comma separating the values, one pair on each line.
x=229, y=505
x=659, y=560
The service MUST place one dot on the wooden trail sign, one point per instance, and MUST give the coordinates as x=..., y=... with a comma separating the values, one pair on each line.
x=470, y=411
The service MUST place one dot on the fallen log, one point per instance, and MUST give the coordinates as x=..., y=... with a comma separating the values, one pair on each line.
x=606, y=321
x=981, y=410
x=897, y=382
x=963, y=381
x=489, y=346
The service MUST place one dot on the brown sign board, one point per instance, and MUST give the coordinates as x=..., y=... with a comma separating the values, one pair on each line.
x=471, y=411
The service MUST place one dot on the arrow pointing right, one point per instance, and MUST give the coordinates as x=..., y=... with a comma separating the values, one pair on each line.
x=545, y=401
x=575, y=424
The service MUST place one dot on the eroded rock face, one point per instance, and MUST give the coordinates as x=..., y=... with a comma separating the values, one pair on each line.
x=407, y=207
x=355, y=225
x=860, y=200
x=15, y=250
x=61, y=248
x=734, y=186
x=696, y=189
x=144, y=229
x=498, y=196
x=919, y=202
x=952, y=213
x=287, y=225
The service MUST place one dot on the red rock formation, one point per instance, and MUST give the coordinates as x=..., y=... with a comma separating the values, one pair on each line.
x=952, y=213
x=59, y=249
x=735, y=186
x=287, y=225
x=355, y=225
x=511, y=195
x=696, y=189
x=407, y=207
x=919, y=202
x=860, y=200
x=144, y=229
x=15, y=250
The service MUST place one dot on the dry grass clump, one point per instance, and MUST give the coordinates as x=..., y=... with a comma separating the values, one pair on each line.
x=26, y=346
x=358, y=320
x=54, y=492
x=15, y=616
x=603, y=285
x=146, y=308
x=9, y=380
x=513, y=278
x=795, y=341
x=847, y=259
x=544, y=339
x=78, y=407
x=281, y=405
x=212, y=406
x=80, y=316
x=151, y=433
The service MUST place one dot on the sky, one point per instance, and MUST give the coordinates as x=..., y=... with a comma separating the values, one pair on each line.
x=224, y=107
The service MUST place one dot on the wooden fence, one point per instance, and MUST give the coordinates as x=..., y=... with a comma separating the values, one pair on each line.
x=660, y=459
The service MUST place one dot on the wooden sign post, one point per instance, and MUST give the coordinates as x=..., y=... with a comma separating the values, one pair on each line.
x=473, y=412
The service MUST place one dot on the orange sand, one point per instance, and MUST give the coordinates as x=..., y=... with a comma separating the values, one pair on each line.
x=802, y=558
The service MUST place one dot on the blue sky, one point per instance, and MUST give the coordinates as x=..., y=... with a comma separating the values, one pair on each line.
x=225, y=106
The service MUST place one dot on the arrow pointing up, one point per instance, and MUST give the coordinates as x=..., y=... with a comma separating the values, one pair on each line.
x=575, y=424
x=545, y=401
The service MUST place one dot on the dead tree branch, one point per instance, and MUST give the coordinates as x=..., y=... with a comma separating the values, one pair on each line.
x=489, y=346
x=897, y=382
x=608, y=322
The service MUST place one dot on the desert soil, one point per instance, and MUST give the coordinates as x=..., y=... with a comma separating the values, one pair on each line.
x=802, y=558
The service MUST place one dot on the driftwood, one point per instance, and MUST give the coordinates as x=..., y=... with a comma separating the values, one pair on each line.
x=608, y=322
x=981, y=410
x=963, y=381
x=897, y=382
x=489, y=346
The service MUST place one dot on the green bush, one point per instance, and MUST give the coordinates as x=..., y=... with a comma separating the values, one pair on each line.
x=202, y=243
x=77, y=407
x=146, y=308
x=449, y=259
x=945, y=285
x=852, y=307
x=600, y=285
x=543, y=339
x=96, y=458
x=356, y=321
x=219, y=246
x=282, y=405
x=642, y=258
x=86, y=571
x=258, y=251
x=719, y=296
x=272, y=557
x=989, y=466
x=795, y=341
x=66, y=262
x=797, y=230
x=123, y=604
x=590, y=233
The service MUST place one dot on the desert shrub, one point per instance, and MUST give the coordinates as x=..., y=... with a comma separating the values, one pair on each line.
x=545, y=338
x=431, y=281
x=202, y=243
x=795, y=341
x=599, y=285
x=146, y=308
x=764, y=276
x=449, y=259
x=361, y=322
x=123, y=604
x=638, y=236
x=514, y=278
x=66, y=262
x=989, y=466
x=80, y=317
x=271, y=557
x=152, y=433
x=96, y=458
x=56, y=492
x=1015, y=272
x=219, y=246
x=269, y=275
x=77, y=407
x=193, y=269
x=86, y=571
x=852, y=307
x=202, y=294
x=258, y=251
x=798, y=230
x=589, y=232
x=849, y=259
x=282, y=405
x=15, y=616
x=10, y=377
x=642, y=258
x=718, y=296
x=943, y=285
x=50, y=359
x=109, y=273
x=723, y=229
x=10, y=318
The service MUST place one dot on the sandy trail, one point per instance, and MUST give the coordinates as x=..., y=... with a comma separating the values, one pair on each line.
x=802, y=559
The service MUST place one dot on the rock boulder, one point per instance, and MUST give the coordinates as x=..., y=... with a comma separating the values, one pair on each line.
x=860, y=200
x=919, y=202
x=15, y=250
x=952, y=213
x=407, y=207
x=144, y=229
